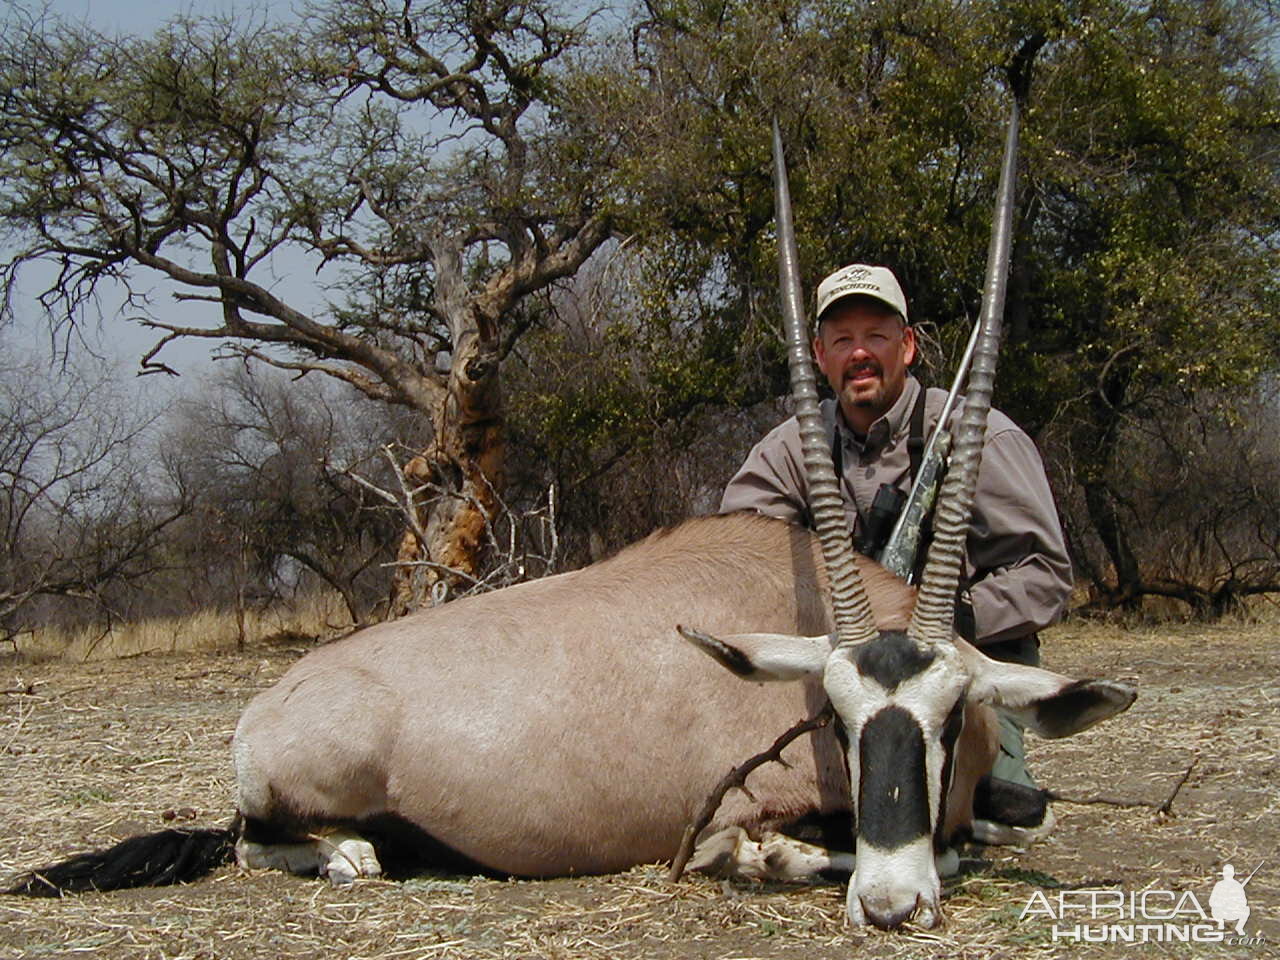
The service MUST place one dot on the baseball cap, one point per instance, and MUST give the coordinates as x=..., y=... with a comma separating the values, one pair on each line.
x=865, y=280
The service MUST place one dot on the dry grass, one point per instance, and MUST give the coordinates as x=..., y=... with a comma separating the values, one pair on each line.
x=315, y=615
x=94, y=752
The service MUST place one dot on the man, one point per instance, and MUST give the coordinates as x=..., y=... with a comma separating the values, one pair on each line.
x=1018, y=573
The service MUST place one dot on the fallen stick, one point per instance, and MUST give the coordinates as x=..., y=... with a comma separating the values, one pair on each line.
x=1163, y=809
x=1166, y=808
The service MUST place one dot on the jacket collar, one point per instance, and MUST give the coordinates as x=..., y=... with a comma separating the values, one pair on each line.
x=893, y=424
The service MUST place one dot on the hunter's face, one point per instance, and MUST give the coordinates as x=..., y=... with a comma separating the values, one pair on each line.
x=864, y=350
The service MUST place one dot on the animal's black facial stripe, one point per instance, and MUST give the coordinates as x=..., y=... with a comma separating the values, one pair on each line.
x=892, y=658
x=893, y=797
x=950, y=734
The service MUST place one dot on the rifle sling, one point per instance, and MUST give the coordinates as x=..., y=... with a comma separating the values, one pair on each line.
x=915, y=437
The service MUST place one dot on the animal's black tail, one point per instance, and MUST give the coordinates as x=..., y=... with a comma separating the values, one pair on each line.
x=150, y=860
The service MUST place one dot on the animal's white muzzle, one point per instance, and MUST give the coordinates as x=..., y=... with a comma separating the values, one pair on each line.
x=890, y=887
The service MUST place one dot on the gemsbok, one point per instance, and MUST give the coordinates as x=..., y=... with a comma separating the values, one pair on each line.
x=561, y=726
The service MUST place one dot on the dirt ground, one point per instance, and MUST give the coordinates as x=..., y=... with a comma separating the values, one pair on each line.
x=92, y=753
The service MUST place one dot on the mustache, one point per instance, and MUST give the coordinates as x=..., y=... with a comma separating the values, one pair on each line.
x=863, y=367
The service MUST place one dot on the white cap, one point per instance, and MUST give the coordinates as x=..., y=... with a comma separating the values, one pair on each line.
x=862, y=279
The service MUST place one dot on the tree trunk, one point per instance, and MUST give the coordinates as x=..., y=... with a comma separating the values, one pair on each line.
x=464, y=473
x=1102, y=435
x=464, y=469
x=1107, y=523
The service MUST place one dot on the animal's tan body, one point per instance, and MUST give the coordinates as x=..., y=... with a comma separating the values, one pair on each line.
x=563, y=726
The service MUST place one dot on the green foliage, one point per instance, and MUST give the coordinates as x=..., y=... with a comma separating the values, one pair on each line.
x=1148, y=165
x=1149, y=205
x=1152, y=247
x=592, y=387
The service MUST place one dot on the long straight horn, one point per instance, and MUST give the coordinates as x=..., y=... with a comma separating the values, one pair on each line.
x=852, y=610
x=935, y=603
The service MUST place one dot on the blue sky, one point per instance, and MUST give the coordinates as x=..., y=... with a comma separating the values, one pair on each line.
x=104, y=332
x=143, y=16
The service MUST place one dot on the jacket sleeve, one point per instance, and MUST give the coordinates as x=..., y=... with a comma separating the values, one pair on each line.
x=771, y=480
x=1020, y=573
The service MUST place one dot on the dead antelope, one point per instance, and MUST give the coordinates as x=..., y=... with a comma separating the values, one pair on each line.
x=561, y=726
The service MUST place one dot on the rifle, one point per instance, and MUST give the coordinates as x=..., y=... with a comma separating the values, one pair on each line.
x=900, y=552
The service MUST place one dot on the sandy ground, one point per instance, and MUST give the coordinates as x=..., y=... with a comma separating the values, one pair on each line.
x=93, y=753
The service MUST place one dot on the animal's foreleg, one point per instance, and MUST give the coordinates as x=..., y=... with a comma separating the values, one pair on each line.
x=290, y=857
x=1002, y=834
x=732, y=852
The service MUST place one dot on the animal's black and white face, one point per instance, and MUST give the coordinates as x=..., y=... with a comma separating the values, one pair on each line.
x=901, y=705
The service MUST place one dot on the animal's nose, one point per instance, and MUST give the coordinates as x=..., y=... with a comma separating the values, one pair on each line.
x=887, y=914
x=891, y=913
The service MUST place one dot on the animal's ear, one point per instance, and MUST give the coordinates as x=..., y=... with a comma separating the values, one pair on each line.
x=1048, y=703
x=765, y=656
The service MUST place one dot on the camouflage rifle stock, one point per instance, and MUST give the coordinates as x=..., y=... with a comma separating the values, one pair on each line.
x=903, y=547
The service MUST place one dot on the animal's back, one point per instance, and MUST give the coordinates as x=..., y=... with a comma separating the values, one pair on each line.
x=552, y=727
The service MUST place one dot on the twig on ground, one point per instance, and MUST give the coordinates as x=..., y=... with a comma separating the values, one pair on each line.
x=63, y=694
x=1162, y=809
x=25, y=709
x=737, y=777
x=203, y=674
x=1166, y=808
x=1056, y=797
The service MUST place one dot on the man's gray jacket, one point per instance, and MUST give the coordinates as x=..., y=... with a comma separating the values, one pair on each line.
x=1018, y=570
